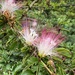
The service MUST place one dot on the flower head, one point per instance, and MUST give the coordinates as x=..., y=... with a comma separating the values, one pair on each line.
x=28, y=33
x=47, y=41
x=9, y=5
x=8, y=8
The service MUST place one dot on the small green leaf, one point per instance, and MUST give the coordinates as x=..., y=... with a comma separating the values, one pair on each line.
x=32, y=60
x=39, y=73
x=3, y=20
x=57, y=59
x=28, y=72
x=61, y=71
x=73, y=62
x=64, y=52
x=17, y=69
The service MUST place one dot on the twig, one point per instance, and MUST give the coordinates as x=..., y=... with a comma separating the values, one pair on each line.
x=47, y=68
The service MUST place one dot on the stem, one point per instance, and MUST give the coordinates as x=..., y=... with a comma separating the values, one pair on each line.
x=9, y=72
x=47, y=68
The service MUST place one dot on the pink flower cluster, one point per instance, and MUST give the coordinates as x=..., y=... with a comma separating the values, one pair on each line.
x=45, y=42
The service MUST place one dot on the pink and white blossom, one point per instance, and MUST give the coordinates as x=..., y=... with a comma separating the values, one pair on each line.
x=28, y=33
x=9, y=5
x=47, y=42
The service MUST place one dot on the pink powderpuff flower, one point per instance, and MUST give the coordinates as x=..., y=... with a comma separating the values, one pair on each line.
x=9, y=6
x=47, y=42
x=28, y=33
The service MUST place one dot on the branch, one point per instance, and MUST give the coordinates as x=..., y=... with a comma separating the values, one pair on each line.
x=47, y=68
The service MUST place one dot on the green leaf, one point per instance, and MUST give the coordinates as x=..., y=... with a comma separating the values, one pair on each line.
x=64, y=52
x=8, y=67
x=39, y=73
x=32, y=60
x=61, y=71
x=73, y=62
x=18, y=67
x=57, y=59
x=3, y=20
x=28, y=72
